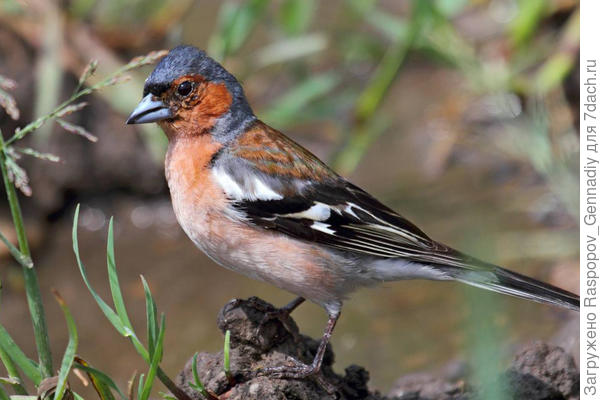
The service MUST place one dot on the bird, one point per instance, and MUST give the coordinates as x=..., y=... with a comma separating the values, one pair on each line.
x=258, y=203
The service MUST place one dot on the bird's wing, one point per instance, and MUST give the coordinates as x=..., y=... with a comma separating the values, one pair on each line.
x=342, y=217
x=276, y=184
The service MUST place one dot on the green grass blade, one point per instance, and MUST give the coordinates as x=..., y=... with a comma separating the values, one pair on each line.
x=3, y=395
x=13, y=373
x=108, y=312
x=226, y=348
x=113, y=278
x=111, y=315
x=21, y=258
x=363, y=136
x=102, y=382
x=117, y=295
x=140, y=386
x=151, y=321
x=69, y=355
x=295, y=15
x=286, y=108
x=32, y=287
x=156, y=358
x=139, y=347
x=235, y=23
x=394, y=27
x=526, y=21
x=289, y=49
x=197, y=385
x=29, y=368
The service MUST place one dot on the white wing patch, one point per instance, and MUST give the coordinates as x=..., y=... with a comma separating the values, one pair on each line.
x=349, y=209
x=318, y=212
x=263, y=192
x=382, y=225
x=252, y=189
x=320, y=226
x=231, y=188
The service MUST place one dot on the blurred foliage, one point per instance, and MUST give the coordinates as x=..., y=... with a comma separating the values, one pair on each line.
x=234, y=24
x=14, y=177
x=373, y=37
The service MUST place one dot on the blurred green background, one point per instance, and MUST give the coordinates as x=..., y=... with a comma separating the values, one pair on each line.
x=460, y=114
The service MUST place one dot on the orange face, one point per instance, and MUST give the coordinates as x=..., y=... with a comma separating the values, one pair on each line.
x=190, y=94
x=194, y=104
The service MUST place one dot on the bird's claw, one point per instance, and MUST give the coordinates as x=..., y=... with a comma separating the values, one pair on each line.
x=298, y=370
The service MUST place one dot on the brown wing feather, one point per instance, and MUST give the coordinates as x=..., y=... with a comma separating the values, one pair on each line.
x=273, y=153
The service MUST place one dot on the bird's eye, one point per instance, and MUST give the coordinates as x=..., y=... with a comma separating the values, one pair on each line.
x=184, y=88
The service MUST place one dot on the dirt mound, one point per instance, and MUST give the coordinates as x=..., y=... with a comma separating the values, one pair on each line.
x=540, y=371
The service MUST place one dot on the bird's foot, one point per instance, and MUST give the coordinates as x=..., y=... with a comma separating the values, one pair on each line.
x=294, y=370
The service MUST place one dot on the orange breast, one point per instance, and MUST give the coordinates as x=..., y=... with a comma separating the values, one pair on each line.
x=202, y=210
x=188, y=175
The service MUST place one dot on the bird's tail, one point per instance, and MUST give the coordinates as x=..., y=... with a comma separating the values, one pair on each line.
x=496, y=279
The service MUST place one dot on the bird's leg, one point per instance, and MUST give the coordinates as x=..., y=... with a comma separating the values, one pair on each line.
x=289, y=307
x=282, y=313
x=300, y=370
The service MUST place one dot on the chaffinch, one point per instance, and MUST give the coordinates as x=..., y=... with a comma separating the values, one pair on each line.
x=260, y=204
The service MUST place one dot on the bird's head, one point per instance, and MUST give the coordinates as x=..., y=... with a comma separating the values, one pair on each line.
x=189, y=93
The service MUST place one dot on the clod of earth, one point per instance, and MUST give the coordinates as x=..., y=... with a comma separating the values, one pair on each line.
x=539, y=372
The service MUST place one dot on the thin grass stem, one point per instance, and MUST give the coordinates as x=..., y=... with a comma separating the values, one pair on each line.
x=13, y=372
x=32, y=287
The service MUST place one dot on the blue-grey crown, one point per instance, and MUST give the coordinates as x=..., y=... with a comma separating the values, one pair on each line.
x=185, y=60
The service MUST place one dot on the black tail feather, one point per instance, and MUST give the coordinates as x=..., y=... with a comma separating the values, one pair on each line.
x=508, y=282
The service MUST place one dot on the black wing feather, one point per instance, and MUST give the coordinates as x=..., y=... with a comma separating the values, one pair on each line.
x=359, y=222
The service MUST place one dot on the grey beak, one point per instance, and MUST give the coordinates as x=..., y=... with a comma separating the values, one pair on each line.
x=149, y=110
